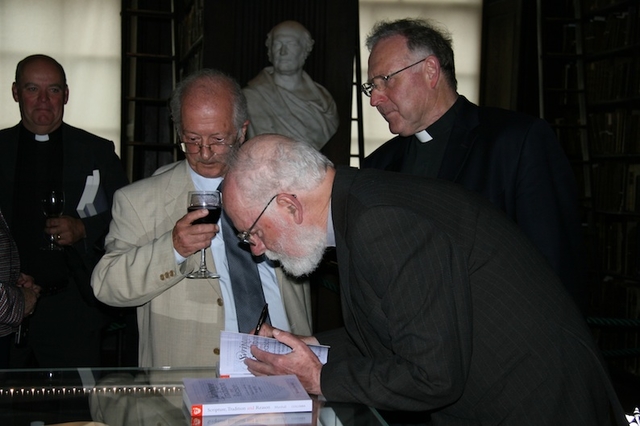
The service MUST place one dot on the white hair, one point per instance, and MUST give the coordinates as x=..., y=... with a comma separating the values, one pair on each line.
x=270, y=164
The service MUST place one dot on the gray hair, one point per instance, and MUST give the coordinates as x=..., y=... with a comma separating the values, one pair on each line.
x=270, y=164
x=214, y=78
x=422, y=36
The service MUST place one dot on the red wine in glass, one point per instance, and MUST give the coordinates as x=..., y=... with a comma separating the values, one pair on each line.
x=212, y=217
x=209, y=200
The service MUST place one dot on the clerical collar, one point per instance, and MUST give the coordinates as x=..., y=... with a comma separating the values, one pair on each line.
x=53, y=136
x=423, y=136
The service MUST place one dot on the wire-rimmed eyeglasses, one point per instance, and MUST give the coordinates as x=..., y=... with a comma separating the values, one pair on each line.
x=193, y=144
x=245, y=236
x=367, y=88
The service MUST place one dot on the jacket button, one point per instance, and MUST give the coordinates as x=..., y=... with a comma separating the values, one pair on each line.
x=220, y=302
x=161, y=277
x=216, y=351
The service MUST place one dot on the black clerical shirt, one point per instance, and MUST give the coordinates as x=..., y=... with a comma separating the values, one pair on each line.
x=38, y=170
x=424, y=158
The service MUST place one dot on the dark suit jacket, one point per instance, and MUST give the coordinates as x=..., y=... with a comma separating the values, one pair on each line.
x=515, y=161
x=448, y=307
x=83, y=152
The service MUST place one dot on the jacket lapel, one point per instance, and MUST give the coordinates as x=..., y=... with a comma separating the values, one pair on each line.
x=463, y=136
x=339, y=197
x=179, y=185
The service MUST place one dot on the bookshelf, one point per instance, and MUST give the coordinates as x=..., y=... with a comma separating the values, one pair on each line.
x=611, y=48
x=563, y=101
x=590, y=92
x=612, y=45
x=190, y=36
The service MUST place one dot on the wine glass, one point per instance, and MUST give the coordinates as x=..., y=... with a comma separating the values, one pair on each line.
x=209, y=200
x=53, y=206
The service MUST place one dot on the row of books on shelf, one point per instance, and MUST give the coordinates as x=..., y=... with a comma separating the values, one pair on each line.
x=571, y=140
x=612, y=79
x=598, y=5
x=192, y=63
x=619, y=248
x=191, y=26
x=614, y=30
x=569, y=37
x=614, y=132
x=618, y=298
x=581, y=182
x=616, y=186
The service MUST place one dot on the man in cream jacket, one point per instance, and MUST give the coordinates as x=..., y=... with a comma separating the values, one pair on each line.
x=152, y=244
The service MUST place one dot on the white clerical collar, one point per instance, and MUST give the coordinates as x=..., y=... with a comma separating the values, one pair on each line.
x=423, y=136
x=42, y=138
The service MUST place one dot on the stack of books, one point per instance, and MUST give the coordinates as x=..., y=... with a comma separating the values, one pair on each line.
x=245, y=395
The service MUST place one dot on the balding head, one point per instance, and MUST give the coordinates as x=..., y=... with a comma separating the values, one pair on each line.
x=278, y=191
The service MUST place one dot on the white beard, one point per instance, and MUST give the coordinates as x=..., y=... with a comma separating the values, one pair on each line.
x=312, y=244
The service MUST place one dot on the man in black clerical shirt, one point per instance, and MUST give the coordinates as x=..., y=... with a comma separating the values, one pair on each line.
x=512, y=159
x=38, y=155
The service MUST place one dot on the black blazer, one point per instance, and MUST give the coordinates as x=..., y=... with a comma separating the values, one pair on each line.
x=516, y=162
x=448, y=307
x=83, y=152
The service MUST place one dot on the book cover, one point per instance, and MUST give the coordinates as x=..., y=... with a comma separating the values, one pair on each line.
x=245, y=395
x=87, y=194
x=100, y=203
x=93, y=199
x=236, y=347
x=289, y=419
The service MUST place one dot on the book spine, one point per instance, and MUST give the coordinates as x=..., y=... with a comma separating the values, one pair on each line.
x=296, y=406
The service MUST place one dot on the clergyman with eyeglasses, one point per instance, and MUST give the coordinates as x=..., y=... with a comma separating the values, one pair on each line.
x=513, y=159
x=153, y=244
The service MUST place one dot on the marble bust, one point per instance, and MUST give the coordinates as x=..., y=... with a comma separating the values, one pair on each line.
x=283, y=99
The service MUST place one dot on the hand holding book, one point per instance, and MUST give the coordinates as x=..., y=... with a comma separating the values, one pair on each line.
x=247, y=354
x=301, y=361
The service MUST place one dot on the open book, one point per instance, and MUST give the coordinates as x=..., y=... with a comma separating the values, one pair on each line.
x=235, y=347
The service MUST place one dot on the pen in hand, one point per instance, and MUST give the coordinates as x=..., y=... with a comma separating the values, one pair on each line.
x=262, y=319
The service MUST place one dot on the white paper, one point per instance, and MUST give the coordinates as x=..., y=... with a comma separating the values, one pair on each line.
x=235, y=347
x=87, y=204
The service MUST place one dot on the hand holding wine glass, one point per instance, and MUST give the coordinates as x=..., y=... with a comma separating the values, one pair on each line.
x=209, y=200
x=53, y=206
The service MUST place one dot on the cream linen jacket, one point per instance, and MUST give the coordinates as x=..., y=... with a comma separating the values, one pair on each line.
x=179, y=320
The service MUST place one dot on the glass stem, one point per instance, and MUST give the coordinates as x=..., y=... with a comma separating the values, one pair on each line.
x=203, y=260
